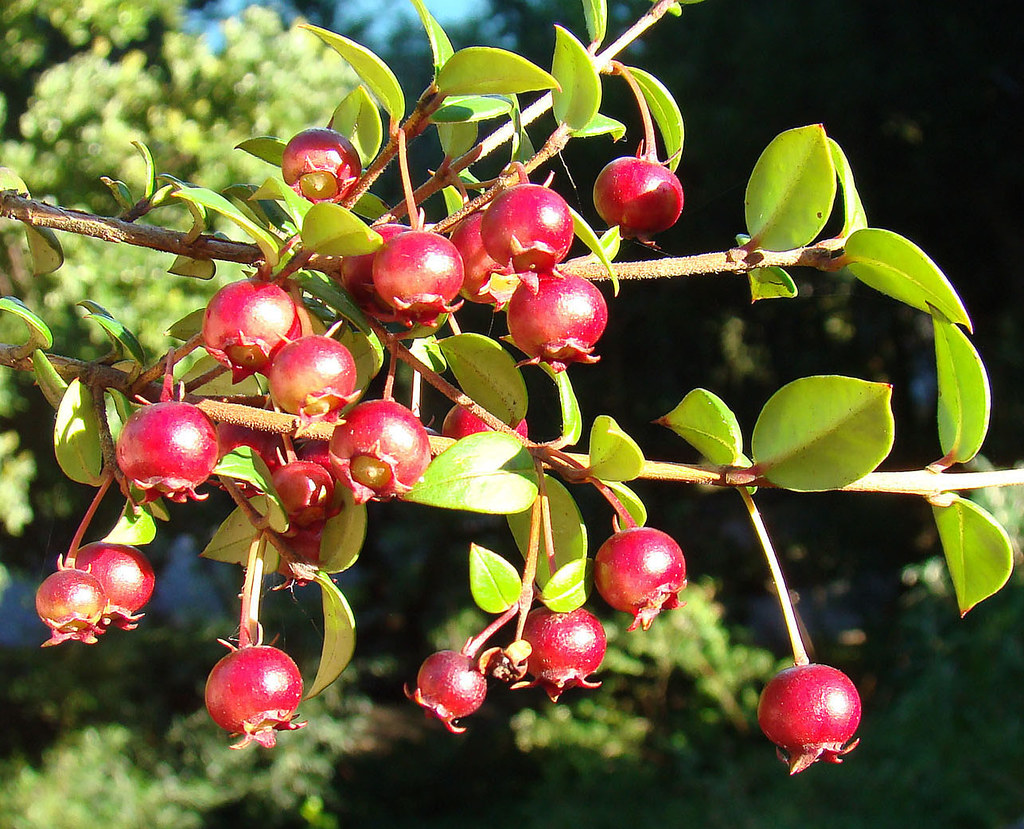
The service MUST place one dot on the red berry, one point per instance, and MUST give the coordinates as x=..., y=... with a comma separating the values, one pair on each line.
x=641, y=196
x=418, y=273
x=266, y=445
x=306, y=490
x=246, y=323
x=125, y=575
x=71, y=603
x=460, y=422
x=486, y=281
x=168, y=448
x=357, y=278
x=809, y=712
x=527, y=227
x=313, y=377
x=640, y=571
x=379, y=450
x=254, y=691
x=320, y=165
x=567, y=648
x=558, y=323
x=450, y=686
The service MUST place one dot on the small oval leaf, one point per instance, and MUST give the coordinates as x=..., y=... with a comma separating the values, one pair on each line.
x=76, y=436
x=194, y=268
x=231, y=543
x=331, y=230
x=965, y=398
x=854, y=217
x=339, y=635
x=243, y=464
x=596, y=14
x=320, y=286
x=135, y=526
x=665, y=112
x=771, y=283
x=485, y=70
x=705, y=422
x=268, y=243
x=572, y=417
x=440, y=45
x=577, y=101
x=567, y=588
x=585, y=233
x=50, y=383
x=630, y=500
x=267, y=148
x=614, y=455
x=487, y=373
x=343, y=535
x=493, y=582
x=38, y=331
x=125, y=342
x=358, y=118
x=46, y=250
x=569, y=532
x=457, y=139
x=465, y=109
x=601, y=125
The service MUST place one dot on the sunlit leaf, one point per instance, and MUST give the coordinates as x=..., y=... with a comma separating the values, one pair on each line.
x=46, y=250
x=244, y=464
x=294, y=204
x=665, y=112
x=585, y=233
x=493, y=582
x=343, y=535
x=268, y=243
x=149, y=186
x=264, y=147
x=567, y=590
x=358, y=118
x=125, y=342
x=614, y=455
x=596, y=14
x=457, y=139
x=853, y=210
x=331, y=230
x=440, y=46
x=231, y=542
x=320, y=286
x=38, y=331
x=569, y=532
x=339, y=635
x=771, y=283
x=135, y=526
x=572, y=417
x=50, y=383
x=469, y=108
x=704, y=421
x=485, y=70
x=601, y=125
x=579, y=98
x=195, y=268
x=487, y=373
x=630, y=500
x=965, y=399
x=76, y=436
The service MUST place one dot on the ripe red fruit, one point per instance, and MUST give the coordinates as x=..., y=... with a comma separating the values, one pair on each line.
x=379, y=450
x=71, y=603
x=567, y=648
x=125, y=575
x=254, y=691
x=558, y=323
x=306, y=490
x=641, y=196
x=320, y=165
x=449, y=686
x=246, y=323
x=313, y=377
x=357, y=278
x=169, y=449
x=809, y=712
x=527, y=227
x=640, y=571
x=486, y=281
x=265, y=444
x=418, y=273
x=460, y=422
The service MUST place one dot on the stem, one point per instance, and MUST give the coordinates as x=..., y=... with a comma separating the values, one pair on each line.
x=530, y=568
x=249, y=632
x=415, y=221
x=650, y=147
x=472, y=647
x=786, y=602
x=545, y=518
x=83, y=525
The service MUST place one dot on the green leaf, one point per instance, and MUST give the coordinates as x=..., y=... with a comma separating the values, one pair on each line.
x=267, y=148
x=76, y=436
x=854, y=217
x=457, y=139
x=243, y=464
x=705, y=422
x=440, y=45
x=665, y=112
x=601, y=125
x=791, y=190
x=38, y=331
x=221, y=383
x=370, y=206
x=427, y=350
x=50, y=383
x=125, y=342
x=965, y=399
x=493, y=582
x=771, y=283
x=823, y=432
x=567, y=528
x=630, y=500
x=978, y=551
x=268, y=243
x=295, y=206
x=135, y=526
x=572, y=417
x=487, y=472
x=230, y=544
x=195, y=268
x=464, y=109
x=188, y=326
x=320, y=286
x=567, y=588
x=358, y=118
x=485, y=70
x=596, y=14
x=331, y=230
x=487, y=373
x=611, y=241
x=586, y=234
x=149, y=188
x=614, y=455
x=895, y=266
x=579, y=98
x=367, y=352
x=343, y=535
x=339, y=635
x=46, y=250
x=119, y=190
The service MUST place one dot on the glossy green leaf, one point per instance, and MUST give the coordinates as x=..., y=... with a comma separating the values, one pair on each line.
x=965, y=399
x=771, y=283
x=38, y=331
x=630, y=500
x=596, y=14
x=487, y=373
x=493, y=582
x=231, y=542
x=119, y=190
x=188, y=326
x=569, y=407
x=76, y=436
x=343, y=535
x=823, y=432
x=611, y=241
x=485, y=70
x=567, y=589
x=427, y=350
x=358, y=119
x=50, y=383
x=373, y=71
x=487, y=472
x=125, y=342
x=294, y=205
x=267, y=148
x=331, y=230
x=268, y=243
x=705, y=422
x=791, y=190
x=601, y=125
x=665, y=112
x=135, y=526
x=453, y=201
x=321, y=286
x=457, y=139
x=367, y=352
x=219, y=382
x=243, y=464
x=370, y=206
x=339, y=635
x=895, y=266
x=150, y=174
x=854, y=217
x=10, y=180
x=614, y=455
x=978, y=551
x=46, y=250
x=195, y=268
x=585, y=233
x=567, y=529
x=462, y=109
x=440, y=46
x=578, y=99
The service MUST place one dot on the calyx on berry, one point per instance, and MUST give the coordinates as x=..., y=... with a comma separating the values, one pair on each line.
x=71, y=603
x=320, y=165
x=528, y=228
x=449, y=685
x=639, y=195
x=313, y=377
x=125, y=575
x=566, y=649
x=810, y=712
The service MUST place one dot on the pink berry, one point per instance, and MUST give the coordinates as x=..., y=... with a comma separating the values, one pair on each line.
x=313, y=377
x=640, y=571
x=418, y=274
x=320, y=165
x=125, y=575
x=356, y=277
x=254, y=691
x=809, y=712
x=71, y=603
x=266, y=445
x=449, y=686
x=306, y=490
x=567, y=648
x=460, y=422
x=527, y=227
x=486, y=281
x=641, y=196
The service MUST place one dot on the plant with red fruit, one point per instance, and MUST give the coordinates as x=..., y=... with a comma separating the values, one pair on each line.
x=356, y=277
x=125, y=575
x=460, y=422
x=266, y=445
x=486, y=280
x=168, y=448
x=559, y=321
x=254, y=691
x=528, y=228
x=379, y=450
x=449, y=685
x=639, y=195
x=418, y=274
x=313, y=377
x=640, y=570
x=306, y=491
x=320, y=165
x=567, y=648
x=71, y=603
x=246, y=323
x=810, y=712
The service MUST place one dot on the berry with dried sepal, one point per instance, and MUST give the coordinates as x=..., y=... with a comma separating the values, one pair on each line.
x=527, y=228
x=71, y=603
x=313, y=377
x=320, y=165
x=125, y=575
x=566, y=649
x=639, y=195
x=449, y=686
x=418, y=274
